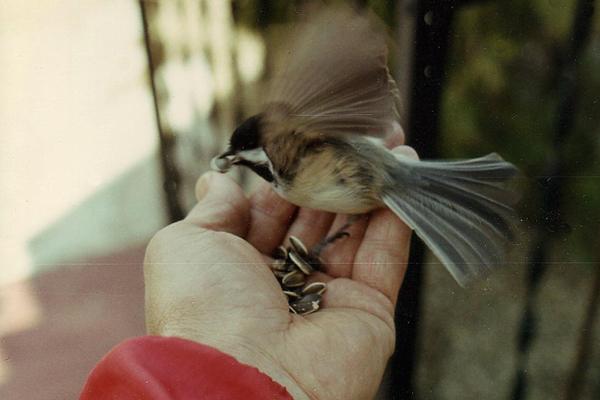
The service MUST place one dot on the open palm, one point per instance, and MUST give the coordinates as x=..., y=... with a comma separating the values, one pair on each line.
x=208, y=280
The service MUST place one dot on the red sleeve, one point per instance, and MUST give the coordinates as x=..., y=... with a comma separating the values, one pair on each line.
x=161, y=368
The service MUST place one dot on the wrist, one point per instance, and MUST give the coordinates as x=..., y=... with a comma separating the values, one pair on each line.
x=243, y=352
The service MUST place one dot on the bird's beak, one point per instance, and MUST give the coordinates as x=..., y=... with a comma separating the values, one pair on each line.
x=222, y=163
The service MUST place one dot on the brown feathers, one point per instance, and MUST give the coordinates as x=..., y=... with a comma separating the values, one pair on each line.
x=331, y=89
x=329, y=174
x=333, y=78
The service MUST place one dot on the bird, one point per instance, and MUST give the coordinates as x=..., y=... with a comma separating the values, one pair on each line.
x=318, y=140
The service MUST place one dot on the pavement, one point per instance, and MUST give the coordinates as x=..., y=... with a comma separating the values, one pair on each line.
x=63, y=321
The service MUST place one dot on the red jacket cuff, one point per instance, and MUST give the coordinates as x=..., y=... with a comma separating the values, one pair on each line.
x=161, y=368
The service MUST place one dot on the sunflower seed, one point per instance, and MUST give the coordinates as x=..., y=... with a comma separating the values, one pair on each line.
x=315, y=287
x=221, y=164
x=279, y=265
x=290, y=266
x=293, y=279
x=298, y=246
x=307, y=304
x=301, y=263
x=291, y=295
x=315, y=261
x=280, y=253
x=279, y=274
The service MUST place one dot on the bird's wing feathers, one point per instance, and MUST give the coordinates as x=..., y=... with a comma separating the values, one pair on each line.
x=333, y=78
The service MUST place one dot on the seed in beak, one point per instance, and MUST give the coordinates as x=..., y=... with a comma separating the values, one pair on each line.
x=221, y=164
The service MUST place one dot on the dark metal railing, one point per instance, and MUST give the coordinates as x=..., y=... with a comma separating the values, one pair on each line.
x=551, y=224
x=433, y=24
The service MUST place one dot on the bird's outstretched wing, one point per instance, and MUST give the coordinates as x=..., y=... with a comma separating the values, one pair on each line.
x=333, y=77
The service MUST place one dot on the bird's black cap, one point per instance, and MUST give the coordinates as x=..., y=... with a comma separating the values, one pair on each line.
x=247, y=136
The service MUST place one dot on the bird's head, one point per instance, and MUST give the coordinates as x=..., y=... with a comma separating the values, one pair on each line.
x=246, y=148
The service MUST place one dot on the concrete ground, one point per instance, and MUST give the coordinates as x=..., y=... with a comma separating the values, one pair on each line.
x=65, y=320
x=80, y=189
x=468, y=342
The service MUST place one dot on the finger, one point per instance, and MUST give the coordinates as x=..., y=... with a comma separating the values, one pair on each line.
x=222, y=205
x=406, y=151
x=339, y=255
x=396, y=138
x=346, y=294
x=381, y=259
x=318, y=276
x=270, y=219
x=311, y=226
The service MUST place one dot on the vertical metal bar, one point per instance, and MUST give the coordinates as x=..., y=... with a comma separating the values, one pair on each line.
x=551, y=224
x=433, y=24
x=169, y=168
x=405, y=35
x=584, y=343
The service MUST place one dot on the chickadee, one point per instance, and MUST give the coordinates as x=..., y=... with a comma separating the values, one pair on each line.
x=318, y=141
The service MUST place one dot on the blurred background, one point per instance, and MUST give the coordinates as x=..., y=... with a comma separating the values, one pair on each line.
x=110, y=110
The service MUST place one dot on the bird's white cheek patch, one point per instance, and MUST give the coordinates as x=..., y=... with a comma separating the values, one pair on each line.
x=257, y=156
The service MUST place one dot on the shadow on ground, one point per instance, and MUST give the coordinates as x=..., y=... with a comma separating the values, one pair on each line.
x=84, y=309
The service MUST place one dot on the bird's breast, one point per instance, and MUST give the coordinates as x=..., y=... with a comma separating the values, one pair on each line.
x=326, y=180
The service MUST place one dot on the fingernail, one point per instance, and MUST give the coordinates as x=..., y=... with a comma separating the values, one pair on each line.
x=202, y=186
x=406, y=151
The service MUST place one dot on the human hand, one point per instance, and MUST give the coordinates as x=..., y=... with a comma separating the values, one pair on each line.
x=207, y=280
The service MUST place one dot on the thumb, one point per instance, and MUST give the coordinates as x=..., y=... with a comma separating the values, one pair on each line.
x=222, y=205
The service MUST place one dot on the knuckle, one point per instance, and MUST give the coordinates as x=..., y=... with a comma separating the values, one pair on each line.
x=220, y=215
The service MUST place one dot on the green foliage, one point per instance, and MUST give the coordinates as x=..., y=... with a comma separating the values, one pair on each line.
x=501, y=95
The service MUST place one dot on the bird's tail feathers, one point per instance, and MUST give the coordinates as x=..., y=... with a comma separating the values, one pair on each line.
x=462, y=210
